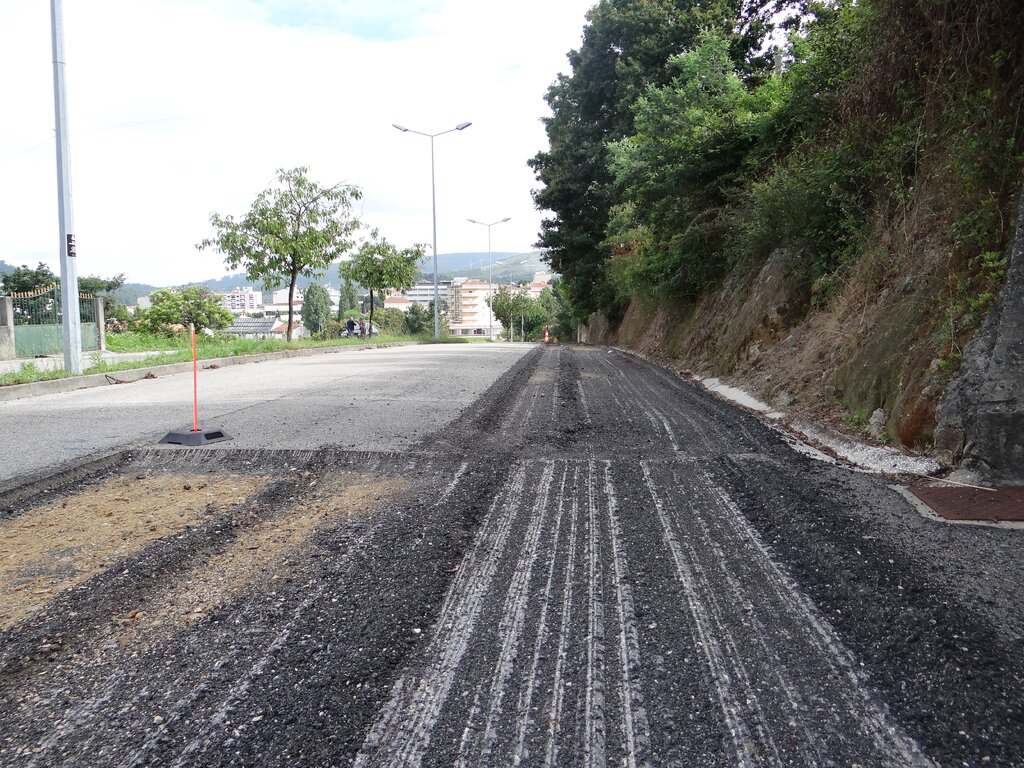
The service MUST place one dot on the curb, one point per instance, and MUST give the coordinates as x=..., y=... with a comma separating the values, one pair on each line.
x=131, y=375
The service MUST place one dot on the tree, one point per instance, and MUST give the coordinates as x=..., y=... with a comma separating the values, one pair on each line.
x=23, y=279
x=316, y=308
x=417, y=320
x=625, y=48
x=104, y=289
x=295, y=228
x=508, y=306
x=349, y=296
x=380, y=266
x=195, y=304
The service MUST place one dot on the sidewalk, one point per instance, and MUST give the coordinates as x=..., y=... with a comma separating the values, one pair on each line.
x=56, y=362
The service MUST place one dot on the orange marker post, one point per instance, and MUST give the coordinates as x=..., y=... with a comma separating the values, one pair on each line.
x=195, y=380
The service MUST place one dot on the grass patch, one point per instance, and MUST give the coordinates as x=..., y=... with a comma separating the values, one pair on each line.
x=177, y=349
x=28, y=374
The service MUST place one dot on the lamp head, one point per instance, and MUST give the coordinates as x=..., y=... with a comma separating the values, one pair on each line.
x=402, y=128
x=474, y=221
x=507, y=218
x=462, y=126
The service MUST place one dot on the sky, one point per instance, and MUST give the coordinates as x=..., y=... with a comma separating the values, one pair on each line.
x=181, y=108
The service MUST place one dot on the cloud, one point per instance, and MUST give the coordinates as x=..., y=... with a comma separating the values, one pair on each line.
x=180, y=108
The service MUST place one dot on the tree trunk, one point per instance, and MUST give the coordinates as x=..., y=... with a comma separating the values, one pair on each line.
x=291, y=304
x=369, y=331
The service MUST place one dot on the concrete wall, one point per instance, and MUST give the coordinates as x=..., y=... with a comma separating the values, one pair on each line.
x=6, y=328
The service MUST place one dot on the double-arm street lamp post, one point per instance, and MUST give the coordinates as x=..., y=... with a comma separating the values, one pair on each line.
x=490, y=312
x=433, y=197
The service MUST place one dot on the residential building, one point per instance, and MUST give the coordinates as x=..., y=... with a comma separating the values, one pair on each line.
x=469, y=312
x=263, y=328
x=398, y=301
x=241, y=300
x=423, y=292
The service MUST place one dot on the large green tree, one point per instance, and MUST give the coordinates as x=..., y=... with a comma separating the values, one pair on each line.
x=194, y=304
x=626, y=46
x=417, y=320
x=297, y=227
x=379, y=266
x=316, y=308
x=24, y=279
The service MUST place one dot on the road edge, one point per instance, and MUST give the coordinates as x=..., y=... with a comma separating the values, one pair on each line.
x=72, y=383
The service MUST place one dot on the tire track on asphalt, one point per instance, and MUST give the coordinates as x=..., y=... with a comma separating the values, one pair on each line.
x=564, y=632
x=635, y=726
x=402, y=733
x=510, y=627
x=755, y=627
x=594, y=753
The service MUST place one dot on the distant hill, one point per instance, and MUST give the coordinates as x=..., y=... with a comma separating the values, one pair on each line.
x=505, y=268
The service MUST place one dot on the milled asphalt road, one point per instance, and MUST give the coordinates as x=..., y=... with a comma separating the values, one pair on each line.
x=594, y=563
x=367, y=399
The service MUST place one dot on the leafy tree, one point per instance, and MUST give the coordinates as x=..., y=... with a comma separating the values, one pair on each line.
x=378, y=266
x=418, y=320
x=316, y=308
x=442, y=315
x=349, y=296
x=508, y=306
x=295, y=228
x=194, y=304
x=23, y=279
x=104, y=289
x=390, y=321
x=625, y=48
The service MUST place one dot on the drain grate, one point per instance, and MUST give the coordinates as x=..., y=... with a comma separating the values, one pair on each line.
x=1004, y=504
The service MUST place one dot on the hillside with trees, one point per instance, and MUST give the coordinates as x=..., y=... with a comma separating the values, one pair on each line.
x=816, y=198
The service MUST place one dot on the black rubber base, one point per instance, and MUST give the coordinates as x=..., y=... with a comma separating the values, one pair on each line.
x=192, y=439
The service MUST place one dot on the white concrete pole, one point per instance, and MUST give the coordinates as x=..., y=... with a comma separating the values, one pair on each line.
x=72, y=323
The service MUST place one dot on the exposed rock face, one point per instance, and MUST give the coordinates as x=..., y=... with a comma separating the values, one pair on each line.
x=980, y=421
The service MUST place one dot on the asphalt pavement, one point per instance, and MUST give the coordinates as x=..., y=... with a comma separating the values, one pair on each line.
x=586, y=562
x=362, y=399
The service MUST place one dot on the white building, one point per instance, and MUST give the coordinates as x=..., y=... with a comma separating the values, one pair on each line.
x=423, y=292
x=469, y=311
x=241, y=300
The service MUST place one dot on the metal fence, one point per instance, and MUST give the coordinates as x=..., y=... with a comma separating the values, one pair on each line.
x=38, y=318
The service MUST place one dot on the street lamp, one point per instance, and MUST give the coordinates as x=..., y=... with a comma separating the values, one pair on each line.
x=433, y=197
x=490, y=313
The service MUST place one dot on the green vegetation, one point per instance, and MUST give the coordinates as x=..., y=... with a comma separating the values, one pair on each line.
x=679, y=154
x=177, y=349
x=379, y=266
x=316, y=308
x=175, y=309
x=296, y=228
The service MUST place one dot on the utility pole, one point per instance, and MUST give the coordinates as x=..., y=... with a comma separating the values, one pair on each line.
x=72, y=323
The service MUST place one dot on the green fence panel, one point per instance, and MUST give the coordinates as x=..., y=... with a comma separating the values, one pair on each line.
x=42, y=340
x=90, y=337
x=37, y=340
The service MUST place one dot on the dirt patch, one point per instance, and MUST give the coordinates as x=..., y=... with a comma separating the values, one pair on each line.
x=59, y=545
x=262, y=555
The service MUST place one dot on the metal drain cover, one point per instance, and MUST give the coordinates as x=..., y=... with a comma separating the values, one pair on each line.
x=1004, y=504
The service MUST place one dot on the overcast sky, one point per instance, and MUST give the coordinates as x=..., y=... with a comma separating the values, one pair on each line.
x=178, y=108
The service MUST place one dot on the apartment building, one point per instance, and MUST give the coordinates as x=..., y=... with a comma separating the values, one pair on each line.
x=469, y=312
x=241, y=300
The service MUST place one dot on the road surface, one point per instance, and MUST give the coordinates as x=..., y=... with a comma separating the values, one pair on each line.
x=592, y=564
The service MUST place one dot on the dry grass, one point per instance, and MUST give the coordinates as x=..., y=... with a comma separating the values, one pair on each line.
x=54, y=547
